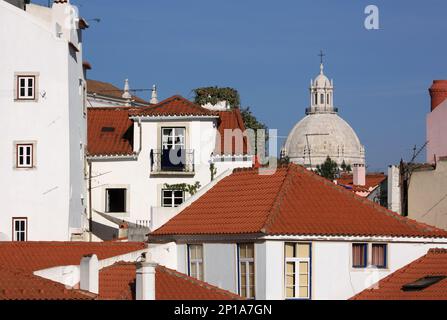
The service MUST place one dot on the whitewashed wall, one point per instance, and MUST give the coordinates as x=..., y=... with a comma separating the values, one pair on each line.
x=49, y=195
x=333, y=277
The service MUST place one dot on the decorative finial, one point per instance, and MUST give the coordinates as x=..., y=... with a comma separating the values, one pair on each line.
x=321, y=55
x=126, y=94
x=154, y=98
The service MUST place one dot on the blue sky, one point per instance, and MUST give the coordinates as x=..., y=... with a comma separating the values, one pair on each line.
x=268, y=51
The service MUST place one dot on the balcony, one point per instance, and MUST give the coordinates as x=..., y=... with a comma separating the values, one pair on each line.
x=321, y=110
x=172, y=162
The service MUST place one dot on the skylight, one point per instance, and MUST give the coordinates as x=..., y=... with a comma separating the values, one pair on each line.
x=422, y=283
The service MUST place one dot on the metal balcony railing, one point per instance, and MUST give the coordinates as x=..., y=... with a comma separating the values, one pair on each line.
x=172, y=161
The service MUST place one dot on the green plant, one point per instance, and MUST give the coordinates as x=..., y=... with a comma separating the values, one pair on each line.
x=214, y=95
x=190, y=188
x=213, y=171
x=328, y=169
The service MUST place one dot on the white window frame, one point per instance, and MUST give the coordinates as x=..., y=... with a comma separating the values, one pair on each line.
x=296, y=261
x=23, y=232
x=25, y=156
x=26, y=87
x=247, y=262
x=174, y=135
x=198, y=262
x=173, y=197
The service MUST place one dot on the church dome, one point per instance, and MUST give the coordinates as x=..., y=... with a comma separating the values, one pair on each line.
x=322, y=132
x=320, y=135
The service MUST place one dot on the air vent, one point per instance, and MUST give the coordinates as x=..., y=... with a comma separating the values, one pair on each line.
x=423, y=283
x=108, y=129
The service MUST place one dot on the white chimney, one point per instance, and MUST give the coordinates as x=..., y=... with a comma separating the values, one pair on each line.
x=90, y=274
x=145, y=286
x=359, y=175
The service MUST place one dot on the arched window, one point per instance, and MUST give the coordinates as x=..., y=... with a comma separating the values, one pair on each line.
x=316, y=98
x=322, y=99
x=328, y=98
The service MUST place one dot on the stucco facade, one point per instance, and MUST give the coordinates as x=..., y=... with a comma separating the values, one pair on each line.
x=332, y=276
x=437, y=133
x=48, y=196
x=427, y=195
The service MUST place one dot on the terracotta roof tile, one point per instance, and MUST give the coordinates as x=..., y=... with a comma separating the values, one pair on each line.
x=231, y=120
x=33, y=256
x=373, y=180
x=109, y=90
x=390, y=288
x=117, y=282
x=110, y=131
x=173, y=106
x=15, y=285
x=292, y=201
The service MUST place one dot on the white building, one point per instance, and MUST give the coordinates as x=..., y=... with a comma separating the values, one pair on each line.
x=323, y=132
x=42, y=122
x=290, y=235
x=129, y=154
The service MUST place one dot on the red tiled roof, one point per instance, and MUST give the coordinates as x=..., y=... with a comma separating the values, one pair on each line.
x=174, y=106
x=230, y=120
x=117, y=282
x=390, y=288
x=372, y=180
x=101, y=139
x=292, y=201
x=33, y=256
x=15, y=285
x=109, y=90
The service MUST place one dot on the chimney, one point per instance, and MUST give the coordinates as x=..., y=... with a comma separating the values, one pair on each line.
x=154, y=97
x=90, y=274
x=359, y=175
x=438, y=93
x=145, y=283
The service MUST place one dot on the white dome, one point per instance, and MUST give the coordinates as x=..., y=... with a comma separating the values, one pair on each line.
x=324, y=134
x=322, y=82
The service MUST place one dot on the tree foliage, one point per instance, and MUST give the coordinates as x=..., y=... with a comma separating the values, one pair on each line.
x=328, y=170
x=214, y=95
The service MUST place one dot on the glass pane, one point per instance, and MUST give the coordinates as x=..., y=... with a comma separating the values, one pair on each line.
x=242, y=251
x=290, y=267
x=290, y=280
x=22, y=92
x=243, y=291
x=303, y=267
x=250, y=251
x=193, y=270
x=243, y=269
x=251, y=268
x=30, y=92
x=290, y=250
x=304, y=292
x=290, y=292
x=30, y=82
x=201, y=271
x=199, y=252
x=178, y=194
x=303, y=251
x=193, y=254
x=304, y=280
x=252, y=292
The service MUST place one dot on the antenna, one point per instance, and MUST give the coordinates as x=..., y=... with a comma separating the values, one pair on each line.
x=416, y=152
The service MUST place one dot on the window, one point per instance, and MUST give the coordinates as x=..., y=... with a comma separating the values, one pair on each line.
x=116, y=200
x=26, y=87
x=298, y=266
x=328, y=99
x=20, y=229
x=322, y=98
x=173, y=138
x=379, y=259
x=247, y=270
x=24, y=156
x=172, y=198
x=359, y=255
x=195, y=261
